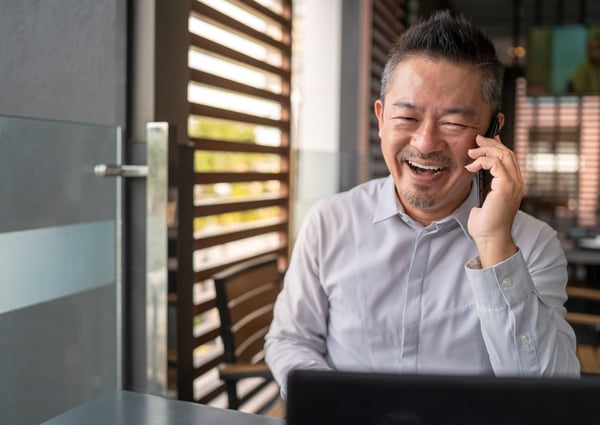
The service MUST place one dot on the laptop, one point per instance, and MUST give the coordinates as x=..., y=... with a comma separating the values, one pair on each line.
x=360, y=398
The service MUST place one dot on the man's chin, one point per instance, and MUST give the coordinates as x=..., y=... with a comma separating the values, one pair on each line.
x=420, y=201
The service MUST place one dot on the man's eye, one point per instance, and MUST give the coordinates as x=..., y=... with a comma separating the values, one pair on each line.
x=406, y=119
x=454, y=125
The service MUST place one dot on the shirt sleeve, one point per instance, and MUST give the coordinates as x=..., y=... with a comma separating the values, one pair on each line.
x=298, y=332
x=520, y=303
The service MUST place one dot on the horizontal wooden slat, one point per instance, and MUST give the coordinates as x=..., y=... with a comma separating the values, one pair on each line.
x=589, y=357
x=251, y=349
x=237, y=235
x=263, y=298
x=210, y=46
x=227, y=84
x=205, y=367
x=206, y=144
x=204, y=306
x=199, y=370
x=586, y=293
x=379, y=56
x=247, y=284
x=244, y=369
x=583, y=319
x=384, y=26
x=208, y=178
x=392, y=14
x=197, y=309
x=207, y=273
x=206, y=337
x=225, y=114
x=208, y=12
x=232, y=206
x=256, y=389
x=252, y=6
x=211, y=395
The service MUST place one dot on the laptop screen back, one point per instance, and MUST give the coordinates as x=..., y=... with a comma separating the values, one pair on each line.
x=355, y=398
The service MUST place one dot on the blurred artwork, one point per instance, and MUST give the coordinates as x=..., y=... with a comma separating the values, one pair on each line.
x=563, y=60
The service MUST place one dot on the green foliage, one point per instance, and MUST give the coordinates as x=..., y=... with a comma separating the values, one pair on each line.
x=233, y=218
x=211, y=161
x=221, y=130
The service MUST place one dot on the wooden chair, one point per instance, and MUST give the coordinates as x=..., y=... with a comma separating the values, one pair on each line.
x=583, y=314
x=245, y=296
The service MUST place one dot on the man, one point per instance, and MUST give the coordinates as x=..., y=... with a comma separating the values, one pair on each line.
x=407, y=273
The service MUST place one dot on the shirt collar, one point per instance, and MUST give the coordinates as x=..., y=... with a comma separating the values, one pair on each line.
x=388, y=206
x=461, y=215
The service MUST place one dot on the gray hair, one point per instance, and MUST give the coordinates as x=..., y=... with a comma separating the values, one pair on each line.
x=452, y=38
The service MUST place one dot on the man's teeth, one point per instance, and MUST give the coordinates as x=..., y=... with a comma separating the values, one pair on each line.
x=424, y=167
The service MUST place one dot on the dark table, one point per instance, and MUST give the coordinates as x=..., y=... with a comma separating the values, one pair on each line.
x=129, y=408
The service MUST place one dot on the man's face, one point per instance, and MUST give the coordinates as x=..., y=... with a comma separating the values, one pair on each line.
x=433, y=111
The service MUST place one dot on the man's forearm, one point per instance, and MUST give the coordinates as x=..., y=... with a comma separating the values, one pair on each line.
x=283, y=356
x=524, y=334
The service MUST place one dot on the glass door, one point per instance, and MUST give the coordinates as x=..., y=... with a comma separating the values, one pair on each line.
x=60, y=285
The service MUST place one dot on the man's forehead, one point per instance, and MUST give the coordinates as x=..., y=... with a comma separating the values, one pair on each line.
x=474, y=74
x=436, y=60
x=451, y=109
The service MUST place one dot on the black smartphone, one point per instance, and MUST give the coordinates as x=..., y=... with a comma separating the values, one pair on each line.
x=483, y=179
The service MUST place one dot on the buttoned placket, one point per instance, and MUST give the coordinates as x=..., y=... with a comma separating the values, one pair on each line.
x=414, y=290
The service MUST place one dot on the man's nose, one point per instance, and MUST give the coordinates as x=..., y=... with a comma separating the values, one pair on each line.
x=427, y=137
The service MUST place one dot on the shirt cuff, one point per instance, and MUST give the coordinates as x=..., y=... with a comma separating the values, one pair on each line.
x=505, y=284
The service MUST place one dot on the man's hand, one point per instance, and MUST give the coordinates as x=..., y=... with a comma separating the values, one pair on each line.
x=490, y=226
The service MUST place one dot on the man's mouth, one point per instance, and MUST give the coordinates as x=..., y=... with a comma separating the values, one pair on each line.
x=422, y=169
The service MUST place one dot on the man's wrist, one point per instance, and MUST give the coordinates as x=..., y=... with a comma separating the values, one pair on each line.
x=492, y=252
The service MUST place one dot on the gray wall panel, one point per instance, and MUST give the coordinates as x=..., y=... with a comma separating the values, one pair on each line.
x=64, y=59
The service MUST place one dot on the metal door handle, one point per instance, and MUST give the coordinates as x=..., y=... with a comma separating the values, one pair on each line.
x=111, y=170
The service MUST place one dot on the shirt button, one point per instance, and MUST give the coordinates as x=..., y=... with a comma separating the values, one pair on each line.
x=507, y=283
x=523, y=339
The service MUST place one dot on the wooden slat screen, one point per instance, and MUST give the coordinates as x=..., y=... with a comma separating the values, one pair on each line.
x=557, y=143
x=239, y=127
x=388, y=23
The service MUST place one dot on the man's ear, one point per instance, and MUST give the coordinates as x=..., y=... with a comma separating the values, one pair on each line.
x=378, y=106
x=500, y=120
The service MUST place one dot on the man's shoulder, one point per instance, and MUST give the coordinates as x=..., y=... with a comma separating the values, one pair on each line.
x=529, y=228
x=526, y=220
x=359, y=202
x=364, y=192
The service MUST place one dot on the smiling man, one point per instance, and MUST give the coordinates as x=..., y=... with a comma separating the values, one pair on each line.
x=409, y=273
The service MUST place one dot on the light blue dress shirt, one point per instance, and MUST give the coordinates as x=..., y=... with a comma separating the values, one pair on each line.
x=370, y=289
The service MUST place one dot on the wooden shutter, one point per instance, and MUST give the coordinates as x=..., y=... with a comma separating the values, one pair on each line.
x=388, y=24
x=239, y=125
x=557, y=146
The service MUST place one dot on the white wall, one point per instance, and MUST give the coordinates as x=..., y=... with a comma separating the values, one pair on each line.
x=316, y=100
x=330, y=95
